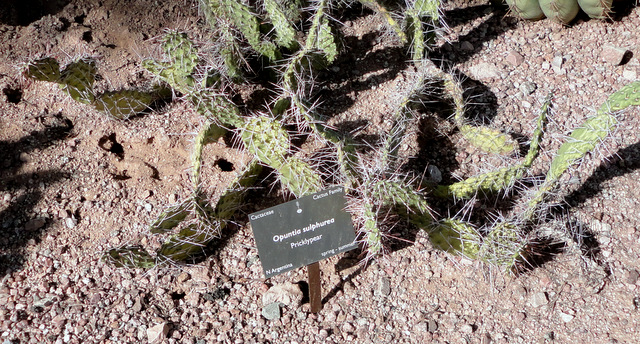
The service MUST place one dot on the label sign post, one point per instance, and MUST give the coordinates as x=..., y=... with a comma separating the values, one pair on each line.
x=303, y=232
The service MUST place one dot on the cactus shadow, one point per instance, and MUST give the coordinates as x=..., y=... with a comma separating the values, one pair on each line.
x=622, y=162
x=347, y=261
x=13, y=238
x=538, y=252
x=454, y=53
x=622, y=9
x=359, y=70
x=25, y=12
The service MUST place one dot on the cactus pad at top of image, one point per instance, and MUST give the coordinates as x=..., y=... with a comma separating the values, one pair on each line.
x=526, y=9
x=562, y=11
x=596, y=9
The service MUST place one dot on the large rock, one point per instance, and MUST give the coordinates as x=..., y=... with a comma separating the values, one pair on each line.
x=157, y=333
x=289, y=294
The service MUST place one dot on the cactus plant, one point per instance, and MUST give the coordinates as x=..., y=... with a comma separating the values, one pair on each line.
x=372, y=180
x=562, y=11
x=77, y=79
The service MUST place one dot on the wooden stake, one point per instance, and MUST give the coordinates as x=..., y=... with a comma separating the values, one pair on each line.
x=315, y=288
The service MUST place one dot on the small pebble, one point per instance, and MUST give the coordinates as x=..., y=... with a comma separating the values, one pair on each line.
x=538, y=299
x=272, y=311
x=614, y=55
x=566, y=317
x=34, y=224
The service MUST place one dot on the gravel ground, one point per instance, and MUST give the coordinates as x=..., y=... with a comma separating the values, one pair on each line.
x=67, y=195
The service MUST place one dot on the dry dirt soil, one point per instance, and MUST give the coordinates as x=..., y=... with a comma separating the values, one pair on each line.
x=74, y=183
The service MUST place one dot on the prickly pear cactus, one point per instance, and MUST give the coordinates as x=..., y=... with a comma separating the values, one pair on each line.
x=292, y=39
x=77, y=79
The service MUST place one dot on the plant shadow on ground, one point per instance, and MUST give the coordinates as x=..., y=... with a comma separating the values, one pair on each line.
x=14, y=237
x=25, y=12
x=622, y=162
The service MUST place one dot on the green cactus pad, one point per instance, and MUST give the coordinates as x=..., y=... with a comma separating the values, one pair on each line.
x=490, y=182
x=167, y=72
x=429, y=8
x=130, y=257
x=456, y=237
x=244, y=20
x=171, y=217
x=628, y=95
x=422, y=18
x=416, y=36
x=231, y=55
x=326, y=42
x=123, y=104
x=285, y=32
x=45, y=69
x=183, y=59
x=371, y=234
x=267, y=140
x=77, y=80
x=181, y=51
x=216, y=108
x=536, y=138
x=503, y=247
x=526, y=9
x=409, y=202
x=299, y=178
x=562, y=11
x=596, y=9
x=489, y=140
x=581, y=141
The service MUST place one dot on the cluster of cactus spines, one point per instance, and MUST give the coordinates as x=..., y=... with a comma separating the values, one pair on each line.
x=242, y=18
x=418, y=26
x=503, y=178
x=389, y=16
x=183, y=59
x=504, y=245
x=269, y=142
x=563, y=11
x=77, y=80
x=583, y=140
x=423, y=23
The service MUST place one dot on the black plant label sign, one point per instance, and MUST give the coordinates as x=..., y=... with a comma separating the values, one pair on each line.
x=303, y=231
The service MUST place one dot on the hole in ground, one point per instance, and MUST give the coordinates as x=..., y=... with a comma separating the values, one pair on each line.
x=225, y=165
x=109, y=143
x=177, y=296
x=14, y=95
x=87, y=37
